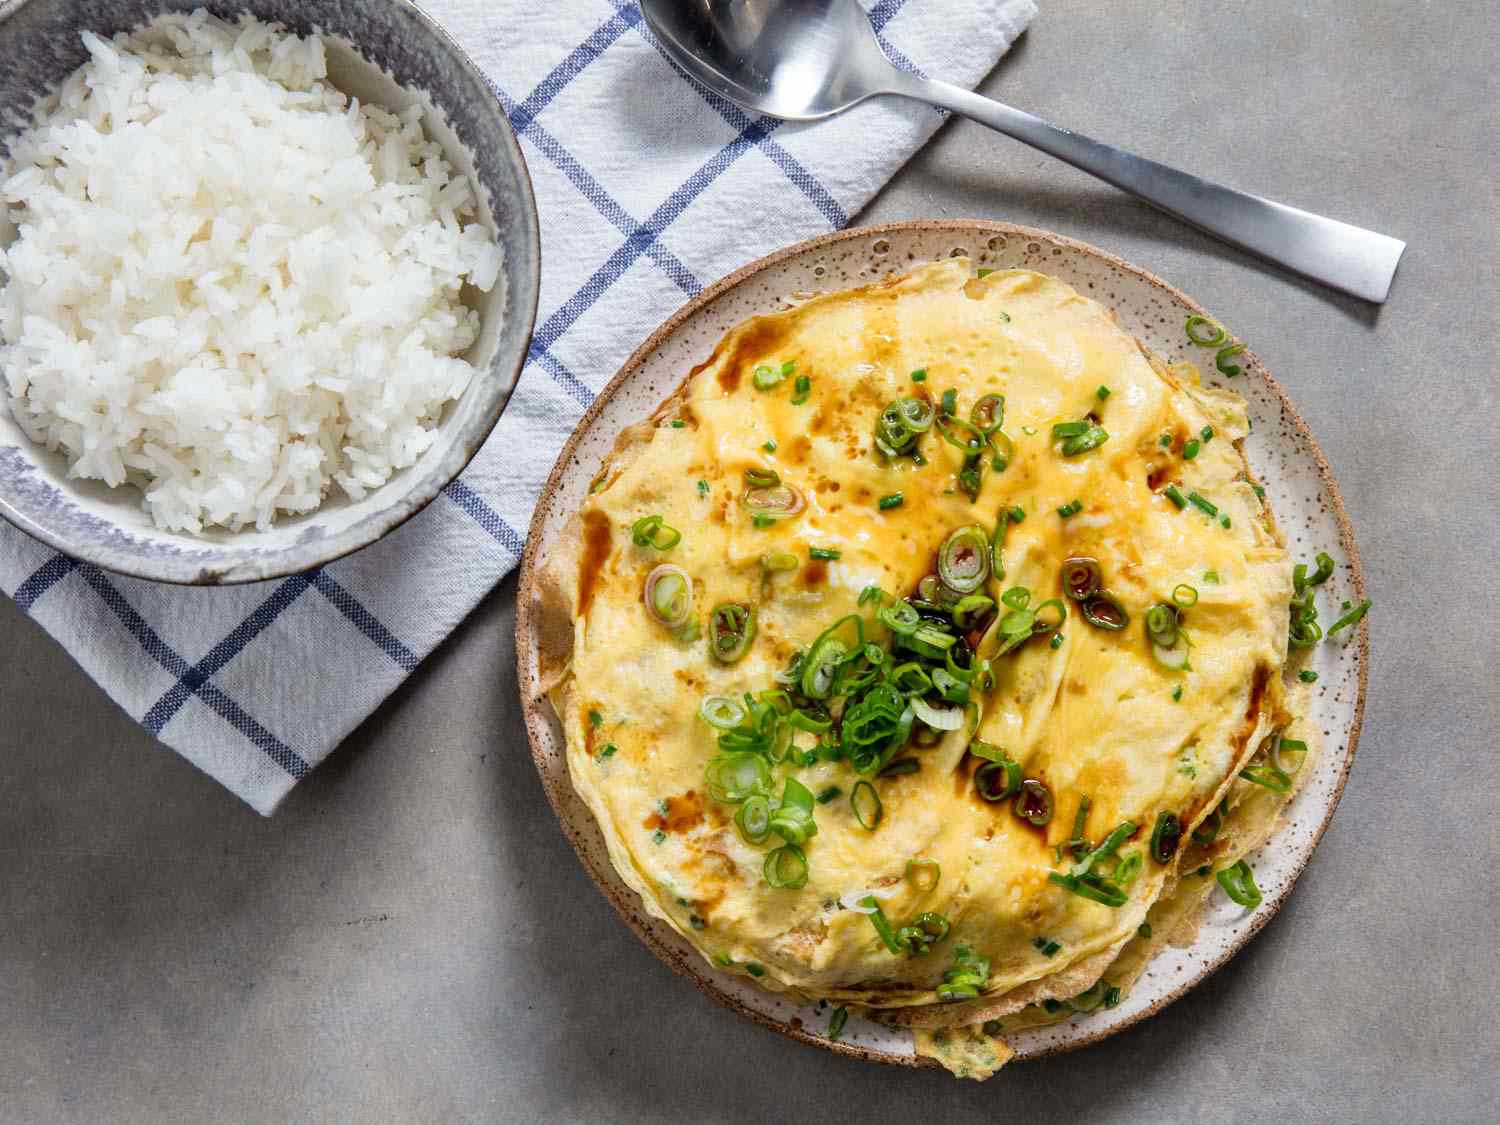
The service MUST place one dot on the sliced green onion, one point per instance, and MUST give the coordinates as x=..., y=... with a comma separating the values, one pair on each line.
x=867, y=806
x=608, y=750
x=1212, y=339
x=1143, y=930
x=1350, y=618
x=1165, y=837
x=1307, y=676
x=1190, y=449
x=901, y=618
x=678, y=423
x=881, y=923
x=1174, y=494
x=1288, y=746
x=919, y=375
x=793, y=820
x=894, y=500
x=669, y=596
x=1269, y=777
x=996, y=780
x=731, y=628
x=1104, y=611
x=754, y=819
x=1094, y=889
x=775, y=502
x=769, y=446
x=1083, y=443
x=1107, y=848
x=1063, y=430
x=1033, y=803
x=1161, y=624
x=829, y=794
x=755, y=970
x=923, y=874
x=1071, y=508
x=938, y=718
x=756, y=477
x=722, y=711
x=836, y=1023
x=919, y=935
x=1112, y=996
x=653, y=531
x=733, y=778
x=1081, y=577
x=1208, y=831
x=1089, y=999
x=1204, y=506
x=964, y=559
x=801, y=389
x=950, y=402
x=766, y=377
x=1127, y=869
x=1184, y=596
x=596, y=720
x=703, y=488
x=899, y=768
x=988, y=414
x=786, y=868
x=780, y=561
x=1239, y=884
x=1046, y=946
x=828, y=553
x=968, y=976
x=1102, y=393
x=1207, y=434
x=1221, y=360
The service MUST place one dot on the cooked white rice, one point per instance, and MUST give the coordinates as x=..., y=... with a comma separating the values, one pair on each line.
x=233, y=286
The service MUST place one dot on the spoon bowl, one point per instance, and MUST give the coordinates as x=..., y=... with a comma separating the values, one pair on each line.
x=803, y=60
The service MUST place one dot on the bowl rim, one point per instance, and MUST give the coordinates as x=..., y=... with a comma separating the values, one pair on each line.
x=295, y=558
x=525, y=637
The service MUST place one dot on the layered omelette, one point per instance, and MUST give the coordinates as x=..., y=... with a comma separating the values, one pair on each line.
x=923, y=654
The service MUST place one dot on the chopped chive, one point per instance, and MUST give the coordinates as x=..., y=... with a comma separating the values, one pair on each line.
x=1046, y=946
x=1190, y=449
x=1005, y=318
x=1211, y=576
x=950, y=401
x=829, y=553
x=1206, y=433
x=608, y=750
x=1017, y=514
x=1259, y=491
x=755, y=970
x=1205, y=506
x=1225, y=522
x=1307, y=676
x=1174, y=494
x=1166, y=440
x=658, y=836
x=703, y=488
x=678, y=423
x=1143, y=930
x=763, y=521
x=1177, y=694
x=919, y=375
x=801, y=389
x=1102, y=392
x=829, y=794
x=894, y=500
x=985, y=271
x=696, y=922
x=1057, y=640
x=770, y=446
x=596, y=720
x=1112, y=996
x=1071, y=508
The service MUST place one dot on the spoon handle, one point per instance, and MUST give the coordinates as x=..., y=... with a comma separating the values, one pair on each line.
x=1348, y=258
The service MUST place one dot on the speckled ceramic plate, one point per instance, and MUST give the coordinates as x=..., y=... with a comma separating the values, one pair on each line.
x=1282, y=452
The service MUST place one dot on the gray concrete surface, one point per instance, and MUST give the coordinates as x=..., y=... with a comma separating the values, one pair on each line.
x=411, y=939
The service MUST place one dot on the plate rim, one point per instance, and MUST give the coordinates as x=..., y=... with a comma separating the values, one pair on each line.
x=526, y=639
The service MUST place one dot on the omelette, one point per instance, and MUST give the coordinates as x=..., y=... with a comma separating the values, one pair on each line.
x=923, y=653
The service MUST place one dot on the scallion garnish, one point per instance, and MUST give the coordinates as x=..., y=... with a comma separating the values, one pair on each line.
x=703, y=488
x=755, y=970
x=1165, y=837
x=678, y=423
x=1207, y=507
x=608, y=750
x=1211, y=339
x=1351, y=618
x=596, y=720
x=1071, y=508
x=1102, y=393
x=1207, y=434
x=1190, y=449
x=894, y=500
x=1143, y=930
x=836, y=1023
x=1307, y=676
x=1174, y=494
x=801, y=389
x=826, y=553
x=1222, y=358
x=1239, y=884
x=653, y=531
x=865, y=802
x=829, y=794
x=785, y=868
x=731, y=628
x=919, y=375
x=924, y=874
x=1177, y=694
x=769, y=446
x=766, y=376
x=967, y=978
x=1045, y=946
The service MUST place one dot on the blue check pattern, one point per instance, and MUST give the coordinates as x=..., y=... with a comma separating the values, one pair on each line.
x=256, y=685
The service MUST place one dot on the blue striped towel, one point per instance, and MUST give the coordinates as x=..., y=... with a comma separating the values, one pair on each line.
x=644, y=182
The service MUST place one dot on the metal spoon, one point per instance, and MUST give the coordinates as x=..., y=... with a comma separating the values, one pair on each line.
x=807, y=59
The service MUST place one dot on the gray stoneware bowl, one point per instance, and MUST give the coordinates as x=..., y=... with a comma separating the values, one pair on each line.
x=376, y=49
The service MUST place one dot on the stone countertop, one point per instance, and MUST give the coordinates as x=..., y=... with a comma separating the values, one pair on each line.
x=412, y=939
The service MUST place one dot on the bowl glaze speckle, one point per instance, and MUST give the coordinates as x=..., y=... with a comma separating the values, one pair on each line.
x=385, y=52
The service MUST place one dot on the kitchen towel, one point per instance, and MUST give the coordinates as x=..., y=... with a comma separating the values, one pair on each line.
x=649, y=188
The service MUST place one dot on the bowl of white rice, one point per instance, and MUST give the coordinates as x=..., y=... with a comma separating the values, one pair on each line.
x=268, y=274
